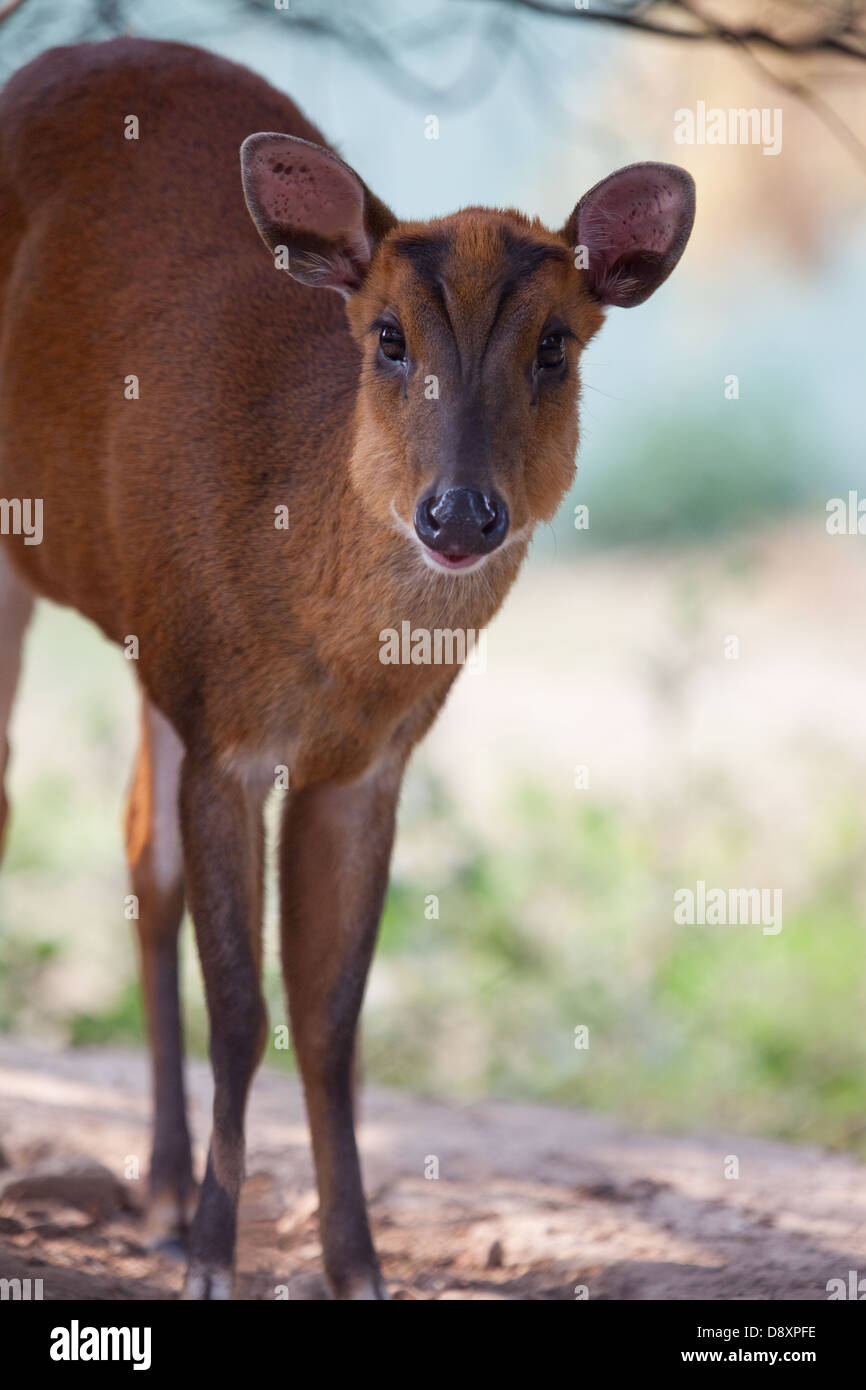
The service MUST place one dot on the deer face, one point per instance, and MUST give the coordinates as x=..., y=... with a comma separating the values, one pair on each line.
x=471, y=329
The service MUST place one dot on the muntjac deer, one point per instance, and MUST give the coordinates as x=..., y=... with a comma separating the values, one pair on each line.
x=408, y=391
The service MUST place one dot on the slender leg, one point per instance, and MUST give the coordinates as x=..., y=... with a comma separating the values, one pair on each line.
x=223, y=853
x=16, y=606
x=153, y=842
x=334, y=854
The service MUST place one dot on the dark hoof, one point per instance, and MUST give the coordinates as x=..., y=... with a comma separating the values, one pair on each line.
x=204, y=1284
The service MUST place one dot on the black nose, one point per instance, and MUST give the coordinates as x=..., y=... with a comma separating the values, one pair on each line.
x=462, y=522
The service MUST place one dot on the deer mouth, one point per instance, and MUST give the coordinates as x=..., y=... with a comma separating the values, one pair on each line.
x=437, y=560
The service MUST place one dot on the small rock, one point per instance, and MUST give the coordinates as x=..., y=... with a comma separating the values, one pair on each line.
x=76, y=1182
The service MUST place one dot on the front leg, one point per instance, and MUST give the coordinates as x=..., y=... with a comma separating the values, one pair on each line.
x=334, y=853
x=223, y=854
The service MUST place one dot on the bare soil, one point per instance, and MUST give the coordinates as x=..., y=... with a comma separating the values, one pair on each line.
x=530, y=1201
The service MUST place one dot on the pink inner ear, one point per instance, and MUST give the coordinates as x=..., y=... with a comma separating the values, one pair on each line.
x=301, y=188
x=641, y=208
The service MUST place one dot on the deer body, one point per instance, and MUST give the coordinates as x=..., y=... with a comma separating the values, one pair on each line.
x=258, y=646
x=94, y=298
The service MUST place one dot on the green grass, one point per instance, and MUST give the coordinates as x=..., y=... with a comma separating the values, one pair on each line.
x=564, y=918
x=688, y=1026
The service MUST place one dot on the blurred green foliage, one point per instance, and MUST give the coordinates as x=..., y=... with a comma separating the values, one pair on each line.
x=564, y=918
x=688, y=1026
x=694, y=475
x=22, y=963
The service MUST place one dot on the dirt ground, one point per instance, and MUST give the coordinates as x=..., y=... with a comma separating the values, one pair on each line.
x=530, y=1201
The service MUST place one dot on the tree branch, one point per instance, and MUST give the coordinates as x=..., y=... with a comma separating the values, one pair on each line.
x=842, y=35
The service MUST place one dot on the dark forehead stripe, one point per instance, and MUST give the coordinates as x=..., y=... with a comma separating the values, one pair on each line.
x=426, y=254
x=524, y=257
x=521, y=257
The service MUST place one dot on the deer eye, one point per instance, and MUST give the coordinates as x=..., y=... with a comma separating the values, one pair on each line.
x=551, y=350
x=392, y=344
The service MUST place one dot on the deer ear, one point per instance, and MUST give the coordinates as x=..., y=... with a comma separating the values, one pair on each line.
x=634, y=226
x=302, y=197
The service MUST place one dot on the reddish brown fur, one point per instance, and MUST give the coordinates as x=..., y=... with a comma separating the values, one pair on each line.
x=259, y=646
x=126, y=548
